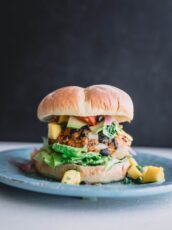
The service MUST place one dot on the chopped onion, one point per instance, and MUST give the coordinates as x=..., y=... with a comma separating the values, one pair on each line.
x=93, y=136
x=101, y=146
x=121, y=152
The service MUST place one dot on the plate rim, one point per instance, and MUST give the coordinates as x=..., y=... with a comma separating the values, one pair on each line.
x=73, y=191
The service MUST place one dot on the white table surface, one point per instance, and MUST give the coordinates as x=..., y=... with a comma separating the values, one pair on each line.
x=26, y=210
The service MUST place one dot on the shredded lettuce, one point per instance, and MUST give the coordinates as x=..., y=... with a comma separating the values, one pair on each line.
x=69, y=151
x=51, y=160
x=70, y=155
x=92, y=158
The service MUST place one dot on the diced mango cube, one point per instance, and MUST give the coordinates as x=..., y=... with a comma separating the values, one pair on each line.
x=134, y=172
x=54, y=130
x=145, y=168
x=153, y=174
x=63, y=119
x=71, y=177
x=132, y=161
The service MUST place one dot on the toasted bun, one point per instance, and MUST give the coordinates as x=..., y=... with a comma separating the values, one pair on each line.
x=91, y=101
x=89, y=174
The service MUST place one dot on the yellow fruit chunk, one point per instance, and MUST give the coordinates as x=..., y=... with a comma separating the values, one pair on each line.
x=145, y=168
x=132, y=161
x=54, y=130
x=71, y=177
x=63, y=119
x=153, y=174
x=134, y=172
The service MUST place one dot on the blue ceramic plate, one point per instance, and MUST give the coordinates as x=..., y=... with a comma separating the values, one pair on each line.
x=11, y=175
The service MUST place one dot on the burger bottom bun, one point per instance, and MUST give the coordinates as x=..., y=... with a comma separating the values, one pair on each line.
x=89, y=174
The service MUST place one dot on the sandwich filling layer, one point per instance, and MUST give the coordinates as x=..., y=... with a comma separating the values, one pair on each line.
x=86, y=141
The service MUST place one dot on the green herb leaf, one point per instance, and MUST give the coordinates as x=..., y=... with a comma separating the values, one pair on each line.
x=127, y=180
x=139, y=180
x=139, y=167
x=111, y=130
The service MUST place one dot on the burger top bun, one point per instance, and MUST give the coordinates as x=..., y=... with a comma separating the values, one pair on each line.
x=90, y=101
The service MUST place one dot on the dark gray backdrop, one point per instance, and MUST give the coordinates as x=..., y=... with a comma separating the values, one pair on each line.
x=49, y=44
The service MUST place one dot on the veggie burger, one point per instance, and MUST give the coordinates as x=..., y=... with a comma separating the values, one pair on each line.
x=86, y=141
